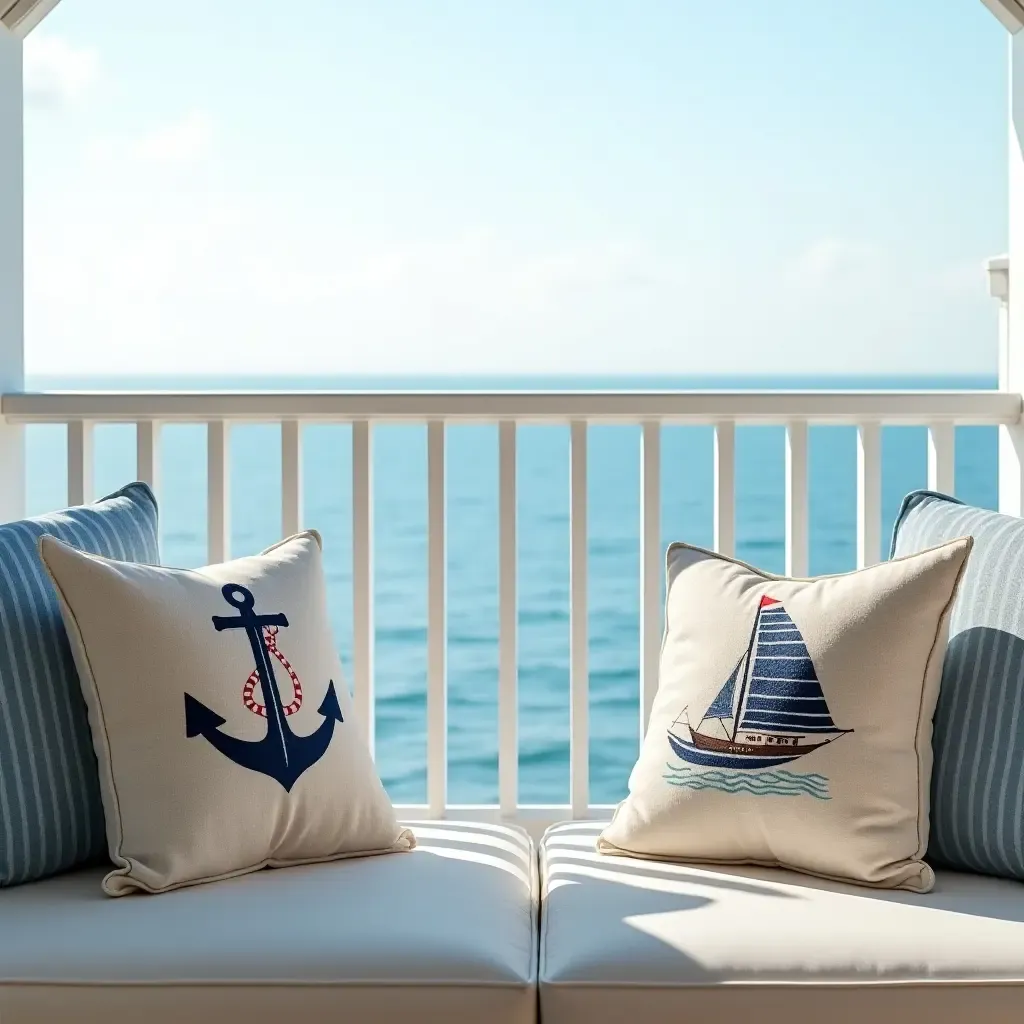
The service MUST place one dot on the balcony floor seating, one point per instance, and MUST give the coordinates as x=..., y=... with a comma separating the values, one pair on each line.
x=635, y=940
x=447, y=934
x=441, y=935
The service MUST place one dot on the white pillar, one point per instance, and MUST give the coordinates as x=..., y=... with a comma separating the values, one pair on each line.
x=1006, y=282
x=12, y=271
x=1011, y=450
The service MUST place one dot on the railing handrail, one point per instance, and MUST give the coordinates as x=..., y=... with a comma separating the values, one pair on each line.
x=689, y=406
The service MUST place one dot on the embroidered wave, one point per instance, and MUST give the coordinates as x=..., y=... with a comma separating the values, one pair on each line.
x=766, y=783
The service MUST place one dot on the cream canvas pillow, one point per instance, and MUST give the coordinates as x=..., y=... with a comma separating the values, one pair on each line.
x=792, y=724
x=220, y=719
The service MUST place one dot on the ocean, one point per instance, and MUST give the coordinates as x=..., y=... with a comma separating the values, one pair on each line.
x=400, y=553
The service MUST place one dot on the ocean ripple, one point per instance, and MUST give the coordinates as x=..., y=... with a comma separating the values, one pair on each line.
x=766, y=783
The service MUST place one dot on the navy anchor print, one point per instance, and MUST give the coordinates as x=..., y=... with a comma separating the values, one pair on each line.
x=281, y=754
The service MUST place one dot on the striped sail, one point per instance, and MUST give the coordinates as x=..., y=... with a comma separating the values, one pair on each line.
x=782, y=692
x=770, y=711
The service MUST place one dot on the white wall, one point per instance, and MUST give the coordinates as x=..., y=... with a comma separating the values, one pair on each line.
x=1011, y=440
x=12, y=269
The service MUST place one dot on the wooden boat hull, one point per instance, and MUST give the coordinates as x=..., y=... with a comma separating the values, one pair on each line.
x=721, y=746
x=705, y=758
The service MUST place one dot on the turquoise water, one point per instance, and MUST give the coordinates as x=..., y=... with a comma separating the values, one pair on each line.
x=613, y=520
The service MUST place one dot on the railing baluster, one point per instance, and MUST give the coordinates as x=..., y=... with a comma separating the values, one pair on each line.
x=796, y=499
x=218, y=466
x=869, y=494
x=147, y=453
x=362, y=579
x=651, y=567
x=291, y=477
x=579, y=725
x=80, y=462
x=508, y=665
x=941, y=457
x=725, y=487
x=437, y=639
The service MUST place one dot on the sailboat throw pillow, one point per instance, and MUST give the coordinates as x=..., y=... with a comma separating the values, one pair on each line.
x=221, y=723
x=792, y=723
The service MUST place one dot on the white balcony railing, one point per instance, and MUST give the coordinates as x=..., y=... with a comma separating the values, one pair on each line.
x=940, y=412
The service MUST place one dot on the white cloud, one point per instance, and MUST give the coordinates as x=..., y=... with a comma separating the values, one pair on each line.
x=474, y=270
x=57, y=73
x=178, y=284
x=183, y=141
x=145, y=279
x=832, y=262
x=968, y=279
x=179, y=143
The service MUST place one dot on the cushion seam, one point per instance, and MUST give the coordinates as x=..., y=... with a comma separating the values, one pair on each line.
x=793, y=984
x=542, y=944
x=265, y=983
x=535, y=908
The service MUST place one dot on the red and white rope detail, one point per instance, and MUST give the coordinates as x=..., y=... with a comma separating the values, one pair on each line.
x=270, y=639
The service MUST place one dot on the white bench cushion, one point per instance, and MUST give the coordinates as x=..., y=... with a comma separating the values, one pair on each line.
x=624, y=939
x=446, y=933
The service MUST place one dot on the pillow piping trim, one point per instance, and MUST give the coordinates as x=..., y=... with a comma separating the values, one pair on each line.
x=782, y=578
x=910, y=502
x=128, y=491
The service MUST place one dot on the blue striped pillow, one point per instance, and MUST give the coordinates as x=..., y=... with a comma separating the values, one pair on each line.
x=977, y=807
x=51, y=817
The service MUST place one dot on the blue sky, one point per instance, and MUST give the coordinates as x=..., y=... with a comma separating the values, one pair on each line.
x=598, y=187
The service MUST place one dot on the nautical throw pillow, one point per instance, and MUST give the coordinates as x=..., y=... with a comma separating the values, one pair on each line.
x=220, y=720
x=51, y=816
x=792, y=723
x=978, y=782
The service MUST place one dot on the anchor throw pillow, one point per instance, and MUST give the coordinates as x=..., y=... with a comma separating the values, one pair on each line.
x=222, y=726
x=792, y=723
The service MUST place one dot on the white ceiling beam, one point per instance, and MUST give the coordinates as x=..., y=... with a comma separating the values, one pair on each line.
x=1009, y=12
x=21, y=16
